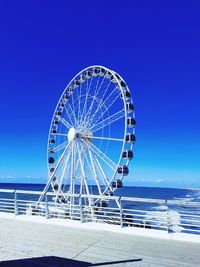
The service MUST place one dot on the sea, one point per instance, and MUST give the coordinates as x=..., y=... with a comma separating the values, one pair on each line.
x=178, y=213
x=128, y=191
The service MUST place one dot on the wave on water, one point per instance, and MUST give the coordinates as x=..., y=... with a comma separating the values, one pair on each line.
x=194, y=194
x=170, y=219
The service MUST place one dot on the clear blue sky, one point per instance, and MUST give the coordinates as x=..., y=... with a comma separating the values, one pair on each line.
x=154, y=45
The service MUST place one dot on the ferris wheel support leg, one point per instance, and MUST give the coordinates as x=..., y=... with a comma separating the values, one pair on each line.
x=62, y=176
x=72, y=180
x=85, y=182
x=92, y=169
x=95, y=173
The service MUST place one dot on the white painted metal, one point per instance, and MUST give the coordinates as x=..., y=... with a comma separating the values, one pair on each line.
x=91, y=116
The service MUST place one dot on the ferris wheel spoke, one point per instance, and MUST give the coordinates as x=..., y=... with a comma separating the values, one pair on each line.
x=89, y=108
x=73, y=107
x=95, y=94
x=70, y=119
x=106, y=110
x=99, y=87
x=79, y=102
x=104, y=176
x=107, y=138
x=72, y=112
x=101, y=103
x=86, y=99
x=113, y=118
x=60, y=147
x=64, y=122
x=95, y=97
x=84, y=105
x=100, y=154
x=60, y=134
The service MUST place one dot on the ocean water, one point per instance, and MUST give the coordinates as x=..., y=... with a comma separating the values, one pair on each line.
x=128, y=191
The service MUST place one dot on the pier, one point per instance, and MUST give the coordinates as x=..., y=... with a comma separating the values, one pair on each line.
x=53, y=234
x=35, y=241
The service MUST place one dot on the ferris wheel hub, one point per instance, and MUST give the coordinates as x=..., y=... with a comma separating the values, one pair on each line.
x=71, y=134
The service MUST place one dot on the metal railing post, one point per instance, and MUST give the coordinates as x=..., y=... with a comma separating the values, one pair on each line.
x=81, y=213
x=81, y=208
x=168, y=218
x=121, y=213
x=46, y=207
x=16, y=206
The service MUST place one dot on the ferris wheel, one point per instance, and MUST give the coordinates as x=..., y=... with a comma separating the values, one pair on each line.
x=91, y=136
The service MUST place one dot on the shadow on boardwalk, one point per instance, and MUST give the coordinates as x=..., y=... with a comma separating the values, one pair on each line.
x=52, y=261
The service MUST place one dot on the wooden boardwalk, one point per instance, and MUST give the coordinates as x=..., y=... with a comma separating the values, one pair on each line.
x=25, y=243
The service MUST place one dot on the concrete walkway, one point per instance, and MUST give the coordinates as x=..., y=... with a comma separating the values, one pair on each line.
x=40, y=244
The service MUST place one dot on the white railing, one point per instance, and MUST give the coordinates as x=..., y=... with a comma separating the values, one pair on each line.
x=173, y=216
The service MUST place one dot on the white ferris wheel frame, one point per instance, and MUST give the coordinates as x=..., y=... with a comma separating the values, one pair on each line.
x=91, y=148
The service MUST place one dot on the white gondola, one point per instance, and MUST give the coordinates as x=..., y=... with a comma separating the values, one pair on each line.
x=55, y=187
x=127, y=154
x=122, y=83
x=88, y=74
x=131, y=122
x=117, y=76
x=51, y=150
x=102, y=72
x=71, y=90
x=113, y=79
x=82, y=78
x=109, y=193
x=58, y=114
x=130, y=138
x=108, y=74
x=117, y=184
x=123, y=170
x=77, y=83
x=51, y=160
x=62, y=105
x=126, y=94
x=55, y=123
x=102, y=204
x=66, y=97
x=129, y=107
x=95, y=72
